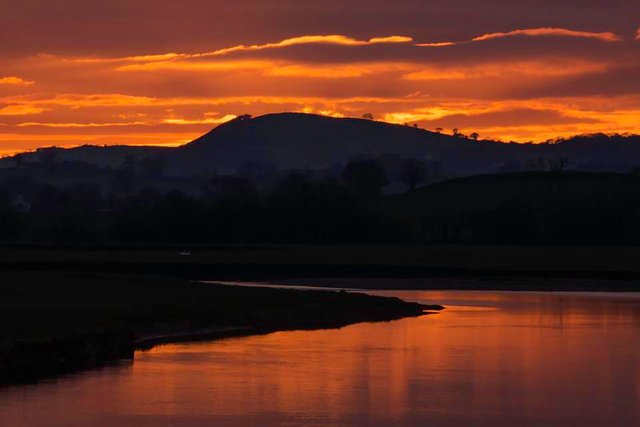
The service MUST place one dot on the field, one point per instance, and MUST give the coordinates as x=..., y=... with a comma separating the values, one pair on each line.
x=276, y=262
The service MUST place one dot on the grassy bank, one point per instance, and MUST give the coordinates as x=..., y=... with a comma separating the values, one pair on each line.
x=56, y=322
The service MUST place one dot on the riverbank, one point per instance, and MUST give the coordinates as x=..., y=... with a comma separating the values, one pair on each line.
x=52, y=323
x=466, y=283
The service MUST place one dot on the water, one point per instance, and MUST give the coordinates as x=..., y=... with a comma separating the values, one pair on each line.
x=490, y=359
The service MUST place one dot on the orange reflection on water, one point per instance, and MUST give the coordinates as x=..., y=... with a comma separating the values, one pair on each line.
x=491, y=358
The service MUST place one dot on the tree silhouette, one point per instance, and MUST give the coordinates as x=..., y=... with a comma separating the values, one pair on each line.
x=153, y=168
x=48, y=158
x=230, y=187
x=435, y=167
x=413, y=172
x=366, y=177
x=474, y=136
x=439, y=130
x=558, y=164
x=18, y=160
x=125, y=177
x=367, y=116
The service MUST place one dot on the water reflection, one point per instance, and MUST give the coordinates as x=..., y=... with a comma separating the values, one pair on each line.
x=492, y=358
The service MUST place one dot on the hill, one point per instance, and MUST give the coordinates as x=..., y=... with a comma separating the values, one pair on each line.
x=532, y=207
x=305, y=141
x=487, y=192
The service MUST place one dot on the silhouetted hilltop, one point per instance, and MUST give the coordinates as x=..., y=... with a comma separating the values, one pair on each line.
x=306, y=141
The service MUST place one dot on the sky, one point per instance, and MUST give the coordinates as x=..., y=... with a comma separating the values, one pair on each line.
x=162, y=72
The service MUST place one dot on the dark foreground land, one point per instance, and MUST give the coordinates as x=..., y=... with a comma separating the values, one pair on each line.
x=586, y=268
x=56, y=322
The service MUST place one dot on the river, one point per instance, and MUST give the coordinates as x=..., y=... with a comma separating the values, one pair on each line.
x=489, y=359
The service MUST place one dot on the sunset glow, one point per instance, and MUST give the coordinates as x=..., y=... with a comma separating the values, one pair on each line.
x=139, y=74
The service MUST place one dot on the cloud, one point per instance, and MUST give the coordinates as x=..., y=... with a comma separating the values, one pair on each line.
x=80, y=125
x=198, y=66
x=535, y=32
x=274, y=68
x=20, y=110
x=331, y=72
x=334, y=71
x=192, y=62
x=336, y=39
x=139, y=58
x=437, y=44
x=549, y=31
x=207, y=120
x=638, y=34
x=156, y=61
x=76, y=101
x=547, y=67
x=15, y=81
x=520, y=120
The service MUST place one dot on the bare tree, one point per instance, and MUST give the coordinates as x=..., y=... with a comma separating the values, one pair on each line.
x=474, y=136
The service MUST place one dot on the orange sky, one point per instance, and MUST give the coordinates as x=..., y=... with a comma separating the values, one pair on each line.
x=164, y=72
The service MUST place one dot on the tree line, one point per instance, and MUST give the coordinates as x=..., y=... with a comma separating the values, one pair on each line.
x=138, y=204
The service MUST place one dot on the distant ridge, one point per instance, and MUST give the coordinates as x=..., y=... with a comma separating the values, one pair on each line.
x=307, y=141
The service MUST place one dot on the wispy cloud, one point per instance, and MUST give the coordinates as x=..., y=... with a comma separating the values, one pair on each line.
x=535, y=32
x=336, y=39
x=208, y=119
x=115, y=100
x=20, y=110
x=271, y=68
x=533, y=68
x=139, y=58
x=80, y=125
x=549, y=31
x=12, y=80
x=168, y=58
x=198, y=66
x=437, y=44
